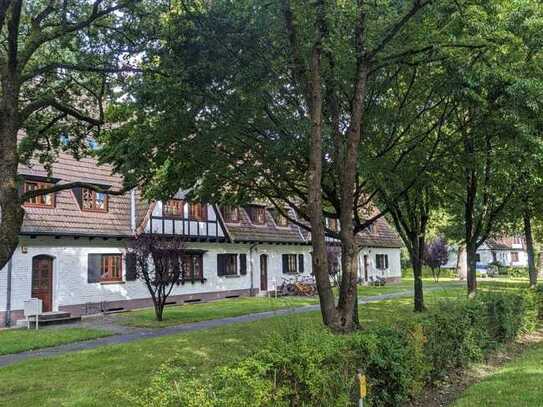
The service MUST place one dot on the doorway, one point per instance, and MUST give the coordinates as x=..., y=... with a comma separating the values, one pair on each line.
x=42, y=280
x=263, y=272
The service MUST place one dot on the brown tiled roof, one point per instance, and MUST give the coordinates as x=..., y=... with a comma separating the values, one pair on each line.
x=67, y=217
x=381, y=235
x=246, y=231
x=503, y=243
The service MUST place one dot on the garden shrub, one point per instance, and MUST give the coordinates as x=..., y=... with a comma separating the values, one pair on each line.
x=456, y=335
x=539, y=300
x=393, y=361
x=309, y=366
x=509, y=314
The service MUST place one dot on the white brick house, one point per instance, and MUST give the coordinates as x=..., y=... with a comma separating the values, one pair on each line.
x=72, y=251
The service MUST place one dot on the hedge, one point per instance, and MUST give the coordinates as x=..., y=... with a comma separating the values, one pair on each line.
x=310, y=367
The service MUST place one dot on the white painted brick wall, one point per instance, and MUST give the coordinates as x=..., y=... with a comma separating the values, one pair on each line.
x=70, y=285
x=394, y=263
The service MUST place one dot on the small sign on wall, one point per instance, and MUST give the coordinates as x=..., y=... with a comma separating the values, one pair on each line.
x=24, y=249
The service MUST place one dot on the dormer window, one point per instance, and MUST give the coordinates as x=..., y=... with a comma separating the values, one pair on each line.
x=198, y=211
x=333, y=224
x=280, y=219
x=257, y=215
x=174, y=208
x=93, y=201
x=40, y=201
x=230, y=214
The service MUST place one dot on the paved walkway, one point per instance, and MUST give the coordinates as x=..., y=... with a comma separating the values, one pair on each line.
x=195, y=326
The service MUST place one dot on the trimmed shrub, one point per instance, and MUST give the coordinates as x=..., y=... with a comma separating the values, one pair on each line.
x=309, y=366
x=456, y=335
x=539, y=300
x=393, y=361
x=509, y=314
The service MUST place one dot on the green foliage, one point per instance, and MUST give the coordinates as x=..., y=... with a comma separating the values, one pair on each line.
x=393, y=360
x=508, y=314
x=309, y=366
x=456, y=334
x=539, y=300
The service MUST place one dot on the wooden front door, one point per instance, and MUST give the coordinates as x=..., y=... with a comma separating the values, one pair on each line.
x=263, y=272
x=42, y=281
x=366, y=266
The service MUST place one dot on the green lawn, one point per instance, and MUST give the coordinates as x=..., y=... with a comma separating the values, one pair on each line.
x=519, y=384
x=20, y=340
x=95, y=377
x=182, y=314
x=98, y=377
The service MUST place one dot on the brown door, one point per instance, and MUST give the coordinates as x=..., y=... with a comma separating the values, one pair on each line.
x=366, y=265
x=263, y=272
x=42, y=281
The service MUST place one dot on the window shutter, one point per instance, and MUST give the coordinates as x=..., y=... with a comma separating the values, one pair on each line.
x=78, y=196
x=130, y=263
x=386, y=261
x=221, y=264
x=285, y=263
x=94, y=268
x=300, y=263
x=243, y=264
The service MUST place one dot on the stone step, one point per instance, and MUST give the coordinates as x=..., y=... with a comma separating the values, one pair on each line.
x=50, y=318
x=54, y=315
x=55, y=321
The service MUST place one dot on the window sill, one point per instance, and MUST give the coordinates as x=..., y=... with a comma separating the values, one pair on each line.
x=112, y=282
x=232, y=276
x=293, y=274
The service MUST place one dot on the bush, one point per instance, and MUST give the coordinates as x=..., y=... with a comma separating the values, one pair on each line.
x=393, y=361
x=309, y=366
x=456, y=335
x=539, y=300
x=509, y=314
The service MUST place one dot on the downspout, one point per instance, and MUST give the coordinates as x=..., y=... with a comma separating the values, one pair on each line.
x=133, y=210
x=7, y=321
x=253, y=246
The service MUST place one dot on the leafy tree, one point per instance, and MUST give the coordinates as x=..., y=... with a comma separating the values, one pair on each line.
x=270, y=100
x=436, y=254
x=159, y=264
x=55, y=61
x=492, y=139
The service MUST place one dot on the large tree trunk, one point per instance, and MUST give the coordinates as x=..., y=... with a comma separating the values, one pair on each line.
x=471, y=255
x=320, y=260
x=416, y=262
x=532, y=272
x=347, y=314
x=11, y=212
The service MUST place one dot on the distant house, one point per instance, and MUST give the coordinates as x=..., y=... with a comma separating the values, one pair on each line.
x=509, y=251
x=72, y=249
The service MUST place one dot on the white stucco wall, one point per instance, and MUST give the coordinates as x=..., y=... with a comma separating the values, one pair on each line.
x=486, y=257
x=70, y=286
x=394, y=264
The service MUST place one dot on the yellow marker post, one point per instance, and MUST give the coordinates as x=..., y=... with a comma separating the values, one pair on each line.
x=362, y=387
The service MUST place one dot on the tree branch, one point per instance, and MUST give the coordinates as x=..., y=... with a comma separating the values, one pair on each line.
x=51, y=102
x=61, y=187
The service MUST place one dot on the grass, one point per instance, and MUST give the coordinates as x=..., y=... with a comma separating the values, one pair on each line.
x=98, y=377
x=518, y=383
x=182, y=314
x=21, y=340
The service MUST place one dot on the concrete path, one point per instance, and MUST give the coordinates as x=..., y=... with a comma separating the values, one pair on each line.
x=195, y=326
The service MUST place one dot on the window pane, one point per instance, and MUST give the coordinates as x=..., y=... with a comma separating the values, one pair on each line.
x=100, y=200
